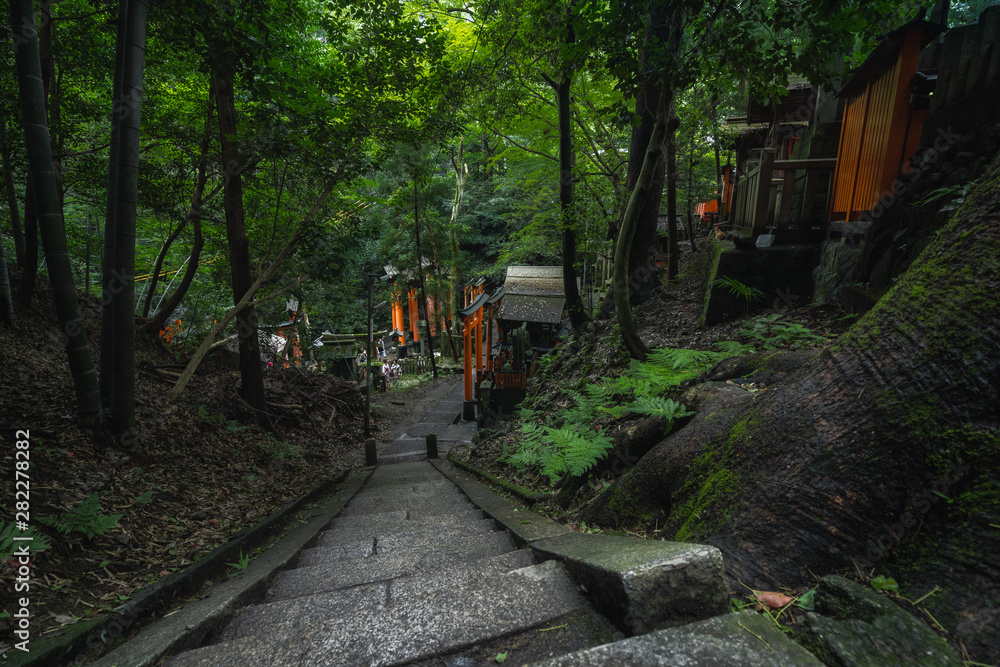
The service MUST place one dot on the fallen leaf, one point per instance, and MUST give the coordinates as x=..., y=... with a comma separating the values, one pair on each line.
x=771, y=599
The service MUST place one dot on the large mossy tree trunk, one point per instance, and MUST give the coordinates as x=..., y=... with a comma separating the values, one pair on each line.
x=879, y=453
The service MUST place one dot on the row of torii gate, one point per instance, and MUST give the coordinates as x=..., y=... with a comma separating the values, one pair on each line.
x=479, y=321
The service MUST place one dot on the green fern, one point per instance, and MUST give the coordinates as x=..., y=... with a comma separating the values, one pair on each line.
x=580, y=450
x=85, y=518
x=9, y=546
x=658, y=406
x=569, y=441
x=731, y=348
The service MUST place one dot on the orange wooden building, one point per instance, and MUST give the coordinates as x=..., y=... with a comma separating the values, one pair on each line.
x=886, y=104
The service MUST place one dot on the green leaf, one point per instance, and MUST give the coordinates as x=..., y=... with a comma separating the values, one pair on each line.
x=501, y=657
x=807, y=600
x=883, y=583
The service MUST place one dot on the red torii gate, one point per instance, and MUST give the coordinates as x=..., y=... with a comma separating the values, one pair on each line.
x=472, y=330
x=399, y=317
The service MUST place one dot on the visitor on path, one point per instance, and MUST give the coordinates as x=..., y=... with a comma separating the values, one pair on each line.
x=362, y=364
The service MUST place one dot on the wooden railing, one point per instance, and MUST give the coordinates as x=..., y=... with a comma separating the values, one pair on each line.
x=411, y=365
x=509, y=379
x=765, y=196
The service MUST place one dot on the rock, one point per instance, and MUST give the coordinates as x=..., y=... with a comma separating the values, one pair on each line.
x=745, y=638
x=857, y=627
x=642, y=585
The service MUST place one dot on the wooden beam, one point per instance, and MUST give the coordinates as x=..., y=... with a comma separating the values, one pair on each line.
x=807, y=163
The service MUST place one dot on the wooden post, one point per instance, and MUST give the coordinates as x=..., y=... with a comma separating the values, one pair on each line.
x=762, y=199
x=468, y=405
x=787, y=190
x=432, y=445
x=489, y=340
x=479, y=345
x=371, y=454
x=368, y=369
x=809, y=196
x=414, y=316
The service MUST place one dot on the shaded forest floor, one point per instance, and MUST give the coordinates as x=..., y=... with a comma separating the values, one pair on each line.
x=199, y=473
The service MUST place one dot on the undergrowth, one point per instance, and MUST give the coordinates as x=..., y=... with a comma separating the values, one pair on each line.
x=573, y=442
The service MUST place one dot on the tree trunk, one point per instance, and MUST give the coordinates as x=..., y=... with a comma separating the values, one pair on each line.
x=244, y=302
x=154, y=277
x=109, y=283
x=641, y=268
x=673, y=254
x=8, y=184
x=29, y=270
x=630, y=221
x=423, y=288
x=122, y=399
x=46, y=197
x=159, y=320
x=718, y=172
x=461, y=173
x=878, y=453
x=239, y=247
x=6, y=301
x=640, y=264
x=574, y=304
x=689, y=216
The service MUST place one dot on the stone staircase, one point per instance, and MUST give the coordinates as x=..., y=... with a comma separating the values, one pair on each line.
x=424, y=565
x=410, y=570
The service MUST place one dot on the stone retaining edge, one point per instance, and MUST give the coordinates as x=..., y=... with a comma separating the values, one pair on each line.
x=187, y=627
x=528, y=496
x=640, y=585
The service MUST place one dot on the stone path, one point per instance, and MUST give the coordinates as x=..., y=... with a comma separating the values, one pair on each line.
x=444, y=404
x=422, y=566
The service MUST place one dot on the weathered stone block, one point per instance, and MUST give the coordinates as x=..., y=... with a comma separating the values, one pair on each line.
x=746, y=638
x=857, y=627
x=642, y=585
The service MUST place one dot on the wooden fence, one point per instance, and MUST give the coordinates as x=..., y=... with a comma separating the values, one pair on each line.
x=509, y=379
x=411, y=365
x=779, y=193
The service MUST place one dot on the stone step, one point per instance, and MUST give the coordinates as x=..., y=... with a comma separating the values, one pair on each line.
x=369, y=526
x=334, y=575
x=303, y=610
x=745, y=638
x=434, y=499
x=411, y=629
x=330, y=548
x=402, y=474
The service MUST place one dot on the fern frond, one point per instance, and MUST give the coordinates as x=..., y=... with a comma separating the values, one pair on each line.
x=731, y=348
x=659, y=407
x=85, y=518
x=8, y=546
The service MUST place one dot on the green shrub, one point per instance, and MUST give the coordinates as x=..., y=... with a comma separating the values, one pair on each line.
x=773, y=334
